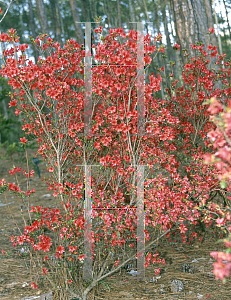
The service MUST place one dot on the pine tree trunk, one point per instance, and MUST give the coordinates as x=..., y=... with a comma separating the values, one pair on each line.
x=209, y=14
x=32, y=29
x=119, y=13
x=85, y=10
x=132, y=15
x=190, y=24
x=227, y=18
x=76, y=19
x=42, y=16
x=169, y=46
x=55, y=16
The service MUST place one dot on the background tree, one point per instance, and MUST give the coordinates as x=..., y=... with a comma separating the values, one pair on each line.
x=42, y=16
x=191, y=24
x=76, y=20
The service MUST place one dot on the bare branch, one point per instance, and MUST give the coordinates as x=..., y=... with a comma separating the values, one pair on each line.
x=6, y=10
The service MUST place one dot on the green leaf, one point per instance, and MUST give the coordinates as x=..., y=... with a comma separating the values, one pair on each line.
x=223, y=184
x=224, y=280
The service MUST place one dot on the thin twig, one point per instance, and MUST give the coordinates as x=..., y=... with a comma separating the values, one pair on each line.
x=6, y=11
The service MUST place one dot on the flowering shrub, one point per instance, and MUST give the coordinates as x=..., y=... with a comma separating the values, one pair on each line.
x=51, y=97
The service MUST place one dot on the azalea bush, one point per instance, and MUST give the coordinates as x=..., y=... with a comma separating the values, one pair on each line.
x=178, y=185
x=196, y=122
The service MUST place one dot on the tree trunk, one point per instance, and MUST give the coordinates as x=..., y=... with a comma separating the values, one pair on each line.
x=208, y=10
x=165, y=21
x=218, y=34
x=132, y=16
x=107, y=13
x=227, y=18
x=55, y=16
x=62, y=27
x=190, y=24
x=119, y=13
x=42, y=16
x=156, y=20
x=218, y=83
x=32, y=29
x=86, y=11
x=76, y=19
x=20, y=25
x=170, y=53
x=146, y=10
x=177, y=68
x=156, y=25
x=93, y=9
x=110, y=12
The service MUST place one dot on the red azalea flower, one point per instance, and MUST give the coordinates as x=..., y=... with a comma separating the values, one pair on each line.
x=157, y=271
x=72, y=248
x=23, y=140
x=211, y=30
x=13, y=103
x=17, y=112
x=23, y=47
x=177, y=46
x=98, y=30
x=34, y=286
x=116, y=263
x=12, y=172
x=60, y=249
x=81, y=257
